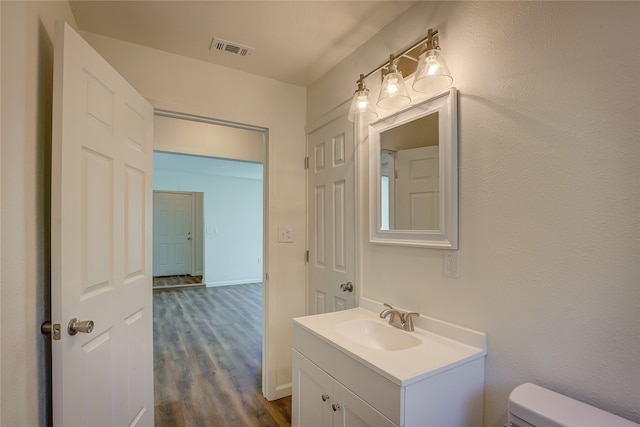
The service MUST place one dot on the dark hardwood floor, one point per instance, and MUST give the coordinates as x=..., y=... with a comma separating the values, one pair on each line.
x=208, y=359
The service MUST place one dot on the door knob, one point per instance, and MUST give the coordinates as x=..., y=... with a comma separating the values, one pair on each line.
x=346, y=287
x=335, y=407
x=75, y=326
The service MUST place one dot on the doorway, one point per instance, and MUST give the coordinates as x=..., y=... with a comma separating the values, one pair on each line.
x=200, y=140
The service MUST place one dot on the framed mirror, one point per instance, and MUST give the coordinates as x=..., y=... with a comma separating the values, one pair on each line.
x=413, y=179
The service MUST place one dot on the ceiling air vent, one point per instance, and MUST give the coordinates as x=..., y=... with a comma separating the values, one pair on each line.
x=229, y=47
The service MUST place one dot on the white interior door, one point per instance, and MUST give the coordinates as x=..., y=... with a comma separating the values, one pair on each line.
x=101, y=241
x=172, y=233
x=331, y=216
x=417, y=189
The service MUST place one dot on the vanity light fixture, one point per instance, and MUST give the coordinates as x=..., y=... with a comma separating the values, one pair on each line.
x=361, y=104
x=423, y=58
x=393, y=93
x=432, y=74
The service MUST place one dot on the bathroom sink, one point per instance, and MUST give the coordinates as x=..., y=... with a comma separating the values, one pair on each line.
x=377, y=335
x=400, y=356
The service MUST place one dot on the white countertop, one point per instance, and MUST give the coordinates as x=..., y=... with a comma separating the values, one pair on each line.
x=444, y=345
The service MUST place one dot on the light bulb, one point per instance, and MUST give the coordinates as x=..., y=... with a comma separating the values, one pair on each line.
x=362, y=102
x=392, y=85
x=433, y=67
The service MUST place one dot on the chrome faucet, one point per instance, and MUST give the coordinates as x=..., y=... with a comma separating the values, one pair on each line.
x=399, y=319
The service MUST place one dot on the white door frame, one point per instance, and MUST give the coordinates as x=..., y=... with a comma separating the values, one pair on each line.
x=268, y=375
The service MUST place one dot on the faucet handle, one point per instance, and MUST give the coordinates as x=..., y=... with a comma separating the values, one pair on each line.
x=408, y=321
x=387, y=305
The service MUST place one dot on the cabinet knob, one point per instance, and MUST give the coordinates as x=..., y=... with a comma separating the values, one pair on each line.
x=335, y=407
x=325, y=397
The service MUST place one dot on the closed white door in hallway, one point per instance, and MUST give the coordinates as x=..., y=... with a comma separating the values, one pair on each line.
x=172, y=233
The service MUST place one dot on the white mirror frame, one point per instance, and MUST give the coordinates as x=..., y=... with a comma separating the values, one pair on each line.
x=446, y=237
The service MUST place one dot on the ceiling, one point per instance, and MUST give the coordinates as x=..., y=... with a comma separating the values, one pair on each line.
x=293, y=41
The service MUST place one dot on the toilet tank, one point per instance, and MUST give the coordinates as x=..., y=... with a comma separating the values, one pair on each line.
x=534, y=406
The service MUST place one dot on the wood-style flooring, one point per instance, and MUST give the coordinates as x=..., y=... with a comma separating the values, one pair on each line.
x=208, y=359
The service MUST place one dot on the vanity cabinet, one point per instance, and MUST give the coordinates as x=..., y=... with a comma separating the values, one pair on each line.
x=321, y=401
x=337, y=382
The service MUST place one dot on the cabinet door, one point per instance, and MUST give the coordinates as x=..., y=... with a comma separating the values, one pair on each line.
x=355, y=412
x=312, y=394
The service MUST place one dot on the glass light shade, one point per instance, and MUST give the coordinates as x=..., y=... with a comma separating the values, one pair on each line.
x=393, y=93
x=362, y=106
x=432, y=74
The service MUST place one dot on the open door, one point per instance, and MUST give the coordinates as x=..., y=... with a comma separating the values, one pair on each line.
x=101, y=242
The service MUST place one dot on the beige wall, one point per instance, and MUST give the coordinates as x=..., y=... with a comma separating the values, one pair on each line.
x=549, y=185
x=189, y=86
x=206, y=139
x=27, y=69
x=170, y=82
x=549, y=117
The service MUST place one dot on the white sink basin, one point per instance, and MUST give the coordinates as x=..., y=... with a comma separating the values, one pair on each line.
x=377, y=335
x=400, y=356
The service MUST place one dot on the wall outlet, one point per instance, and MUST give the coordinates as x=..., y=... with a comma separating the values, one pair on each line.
x=285, y=234
x=452, y=264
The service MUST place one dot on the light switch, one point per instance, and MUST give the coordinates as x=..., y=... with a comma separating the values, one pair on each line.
x=285, y=234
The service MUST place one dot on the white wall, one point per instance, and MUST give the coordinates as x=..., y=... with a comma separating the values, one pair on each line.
x=232, y=223
x=192, y=137
x=189, y=86
x=27, y=73
x=549, y=116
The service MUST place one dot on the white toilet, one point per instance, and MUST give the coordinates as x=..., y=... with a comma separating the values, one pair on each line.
x=534, y=406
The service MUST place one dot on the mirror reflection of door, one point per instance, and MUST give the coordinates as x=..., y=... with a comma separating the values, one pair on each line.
x=417, y=194
x=172, y=233
x=410, y=175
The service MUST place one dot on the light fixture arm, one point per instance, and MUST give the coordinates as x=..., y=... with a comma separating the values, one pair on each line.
x=432, y=40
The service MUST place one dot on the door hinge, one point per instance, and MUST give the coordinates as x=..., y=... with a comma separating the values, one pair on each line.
x=306, y=256
x=306, y=163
